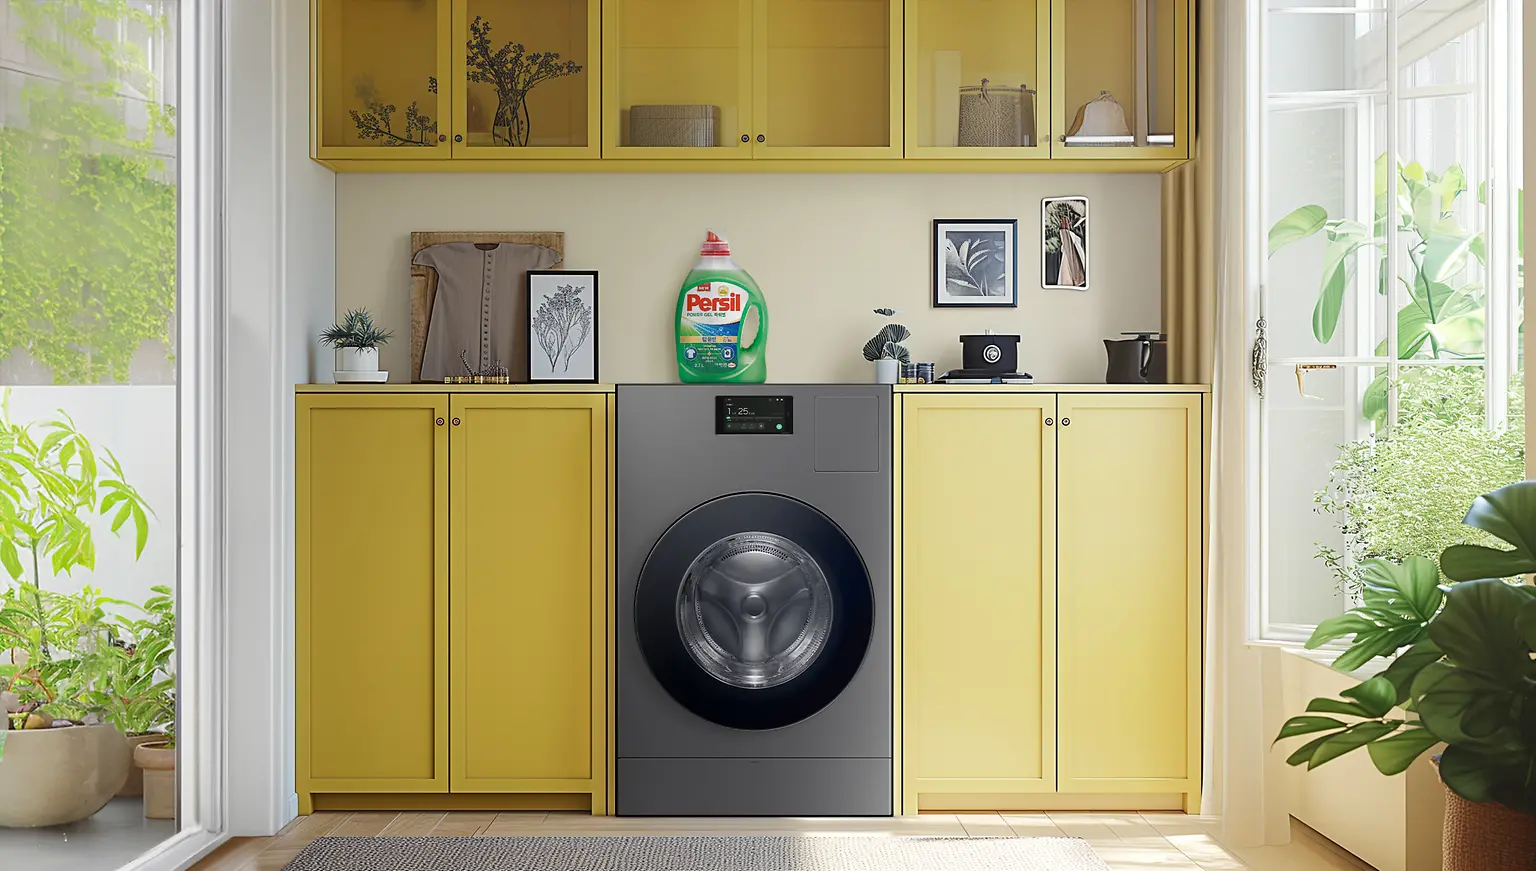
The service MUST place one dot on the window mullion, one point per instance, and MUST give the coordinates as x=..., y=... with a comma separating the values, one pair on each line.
x=1390, y=219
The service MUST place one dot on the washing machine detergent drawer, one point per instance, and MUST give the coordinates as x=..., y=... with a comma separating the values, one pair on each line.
x=754, y=787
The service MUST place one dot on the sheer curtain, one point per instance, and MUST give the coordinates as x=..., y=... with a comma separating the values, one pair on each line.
x=1206, y=316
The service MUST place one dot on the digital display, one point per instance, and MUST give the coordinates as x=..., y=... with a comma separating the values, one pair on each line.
x=754, y=415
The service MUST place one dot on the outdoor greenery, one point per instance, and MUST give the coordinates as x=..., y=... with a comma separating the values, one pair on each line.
x=1463, y=668
x=87, y=209
x=1403, y=492
x=80, y=656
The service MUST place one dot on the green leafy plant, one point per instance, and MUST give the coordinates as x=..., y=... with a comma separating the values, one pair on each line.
x=87, y=202
x=1403, y=491
x=355, y=330
x=60, y=650
x=1464, y=672
x=886, y=344
x=513, y=71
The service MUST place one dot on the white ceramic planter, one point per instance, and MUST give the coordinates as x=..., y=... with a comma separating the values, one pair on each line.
x=158, y=762
x=49, y=777
x=887, y=371
x=357, y=359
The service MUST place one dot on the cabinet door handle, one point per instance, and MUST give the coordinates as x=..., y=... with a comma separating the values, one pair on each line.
x=455, y=421
x=442, y=137
x=439, y=421
x=1066, y=421
x=761, y=138
x=1048, y=421
x=458, y=137
x=746, y=138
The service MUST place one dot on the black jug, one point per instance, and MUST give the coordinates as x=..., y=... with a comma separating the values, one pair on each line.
x=1142, y=360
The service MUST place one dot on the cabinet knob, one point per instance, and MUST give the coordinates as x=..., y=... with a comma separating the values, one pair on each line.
x=1066, y=421
x=442, y=137
x=745, y=138
x=1048, y=421
x=458, y=137
x=1062, y=138
x=761, y=138
x=455, y=421
x=439, y=421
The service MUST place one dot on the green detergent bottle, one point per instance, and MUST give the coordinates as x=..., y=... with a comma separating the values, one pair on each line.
x=712, y=310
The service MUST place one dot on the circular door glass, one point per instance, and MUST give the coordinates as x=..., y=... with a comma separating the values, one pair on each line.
x=754, y=610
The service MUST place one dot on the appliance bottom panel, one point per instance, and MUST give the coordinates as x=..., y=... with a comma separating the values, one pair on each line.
x=754, y=787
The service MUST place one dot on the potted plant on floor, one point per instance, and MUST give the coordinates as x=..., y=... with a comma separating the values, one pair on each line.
x=886, y=351
x=1463, y=676
x=357, y=341
x=56, y=650
x=141, y=697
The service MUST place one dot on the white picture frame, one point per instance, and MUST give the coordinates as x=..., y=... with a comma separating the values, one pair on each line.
x=562, y=327
x=1064, y=250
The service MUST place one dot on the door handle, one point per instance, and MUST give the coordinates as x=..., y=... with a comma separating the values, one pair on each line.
x=1048, y=421
x=455, y=421
x=1066, y=421
x=439, y=421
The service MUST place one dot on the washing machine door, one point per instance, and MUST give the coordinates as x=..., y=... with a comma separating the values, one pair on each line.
x=754, y=610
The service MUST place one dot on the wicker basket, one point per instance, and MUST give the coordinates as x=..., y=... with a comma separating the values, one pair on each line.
x=996, y=117
x=1487, y=837
x=675, y=126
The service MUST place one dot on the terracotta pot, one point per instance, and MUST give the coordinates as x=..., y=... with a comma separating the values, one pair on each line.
x=49, y=777
x=134, y=785
x=158, y=760
x=1487, y=837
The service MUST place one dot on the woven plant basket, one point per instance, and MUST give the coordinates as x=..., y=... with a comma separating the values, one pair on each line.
x=1487, y=837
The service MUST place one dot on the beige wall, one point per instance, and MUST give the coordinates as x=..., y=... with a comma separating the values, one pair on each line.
x=825, y=248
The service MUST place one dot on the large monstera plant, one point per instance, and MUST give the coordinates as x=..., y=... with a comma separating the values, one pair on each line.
x=1463, y=673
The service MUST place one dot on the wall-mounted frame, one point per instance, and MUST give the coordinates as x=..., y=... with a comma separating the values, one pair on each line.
x=976, y=263
x=1064, y=243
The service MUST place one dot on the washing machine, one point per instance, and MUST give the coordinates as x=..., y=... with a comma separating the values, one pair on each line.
x=754, y=600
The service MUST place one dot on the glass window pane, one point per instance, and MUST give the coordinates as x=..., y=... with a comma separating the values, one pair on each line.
x=829, y=73
x=1323, y=52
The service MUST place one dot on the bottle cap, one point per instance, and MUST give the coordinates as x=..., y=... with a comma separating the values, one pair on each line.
x=714, y=246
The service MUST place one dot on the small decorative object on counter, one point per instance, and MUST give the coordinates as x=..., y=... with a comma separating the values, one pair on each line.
x=562, y=327
x=357, y=341
x=675, y=126
x=1100, y=121
x=975, y=263
x=917, y=373
x=1141, y=360
x=717, y=340
x=886, y=350
x=493, y=374
x=1064, y=243
x=996, y=117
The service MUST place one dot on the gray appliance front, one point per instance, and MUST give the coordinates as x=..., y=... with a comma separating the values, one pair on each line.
x=670, y=460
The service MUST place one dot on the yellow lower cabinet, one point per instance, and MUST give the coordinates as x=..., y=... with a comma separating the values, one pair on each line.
x=528, y=573
x=1129, y=527
x=371, y=594
x=978, y=585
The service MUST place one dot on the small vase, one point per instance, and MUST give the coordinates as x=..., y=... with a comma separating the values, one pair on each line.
x=357, y=359
x=887, y=371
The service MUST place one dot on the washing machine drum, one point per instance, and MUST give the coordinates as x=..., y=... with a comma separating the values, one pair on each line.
x=754, y=610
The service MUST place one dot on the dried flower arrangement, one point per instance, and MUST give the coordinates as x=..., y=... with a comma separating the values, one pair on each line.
x=375, y=122
x=513, y=71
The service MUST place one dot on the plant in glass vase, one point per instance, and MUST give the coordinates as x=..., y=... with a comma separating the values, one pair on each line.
x=513, y=71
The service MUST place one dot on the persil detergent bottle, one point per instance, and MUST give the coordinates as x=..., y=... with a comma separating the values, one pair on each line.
x=714, y=343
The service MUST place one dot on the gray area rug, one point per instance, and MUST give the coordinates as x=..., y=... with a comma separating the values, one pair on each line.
x=722, y=853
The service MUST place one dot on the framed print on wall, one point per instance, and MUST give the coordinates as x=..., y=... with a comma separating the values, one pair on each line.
x=562, y=327
x=1064, y=243
x=975, y=264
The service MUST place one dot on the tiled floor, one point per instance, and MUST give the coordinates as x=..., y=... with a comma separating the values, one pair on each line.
x=1127, y=842
x=117, y=834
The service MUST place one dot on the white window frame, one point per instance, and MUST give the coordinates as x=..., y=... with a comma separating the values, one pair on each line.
x=1497, y=99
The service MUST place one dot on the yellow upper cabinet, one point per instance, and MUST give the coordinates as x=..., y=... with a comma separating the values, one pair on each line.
x=687, y=65
x=827, y=78
x=379, y=79
x=1121, y=77
x=977, y=79
x=526, y=80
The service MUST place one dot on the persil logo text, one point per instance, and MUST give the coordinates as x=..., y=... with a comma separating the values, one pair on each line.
x=699, y=303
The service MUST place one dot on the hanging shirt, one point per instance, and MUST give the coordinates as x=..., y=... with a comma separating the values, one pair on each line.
x=481, y=308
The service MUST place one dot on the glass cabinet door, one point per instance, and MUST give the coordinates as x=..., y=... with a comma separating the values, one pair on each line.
x=827, y=79
x=1121, y=78
x=975, y=70
x=526, y=81
x=677, y=79
x=379, y=67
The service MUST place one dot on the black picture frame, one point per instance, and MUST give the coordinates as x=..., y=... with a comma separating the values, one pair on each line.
x=968, y=290
x=552, y=365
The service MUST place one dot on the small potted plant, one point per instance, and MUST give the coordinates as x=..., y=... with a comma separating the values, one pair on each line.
x=357, y=341
x=141, y=697
x=886, y=351
x=1462, y=677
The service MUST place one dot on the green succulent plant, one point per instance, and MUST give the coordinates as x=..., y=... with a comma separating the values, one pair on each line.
x=355, y=330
